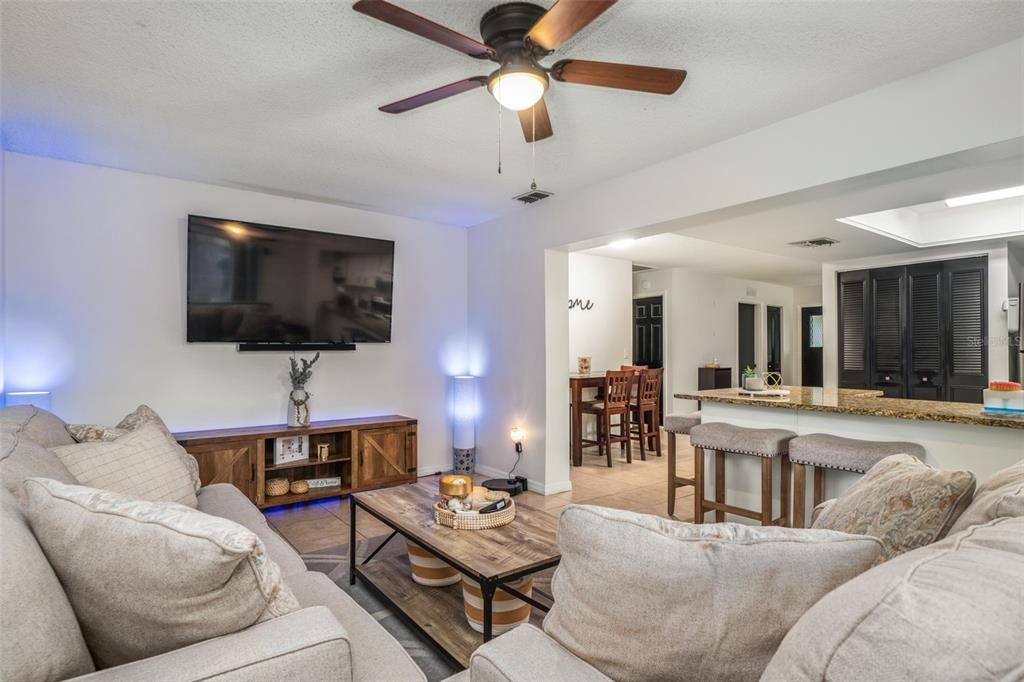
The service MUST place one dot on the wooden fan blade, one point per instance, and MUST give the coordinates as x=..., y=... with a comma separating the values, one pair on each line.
x=623, y=76
x=421, y=26
x=565, y=19
x=542, y=124
x=434, y=95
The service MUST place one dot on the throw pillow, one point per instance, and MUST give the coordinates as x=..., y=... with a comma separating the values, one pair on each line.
x=708, y=602
x=143, y=464
x=901, y=501
x=149, y=577
x=143, y=414
x=1000, y=496
x=949, y=611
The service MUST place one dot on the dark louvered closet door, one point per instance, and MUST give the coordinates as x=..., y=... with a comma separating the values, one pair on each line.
x=924, y=331
x=967, y=359
x=886, y=340
x=853, y=331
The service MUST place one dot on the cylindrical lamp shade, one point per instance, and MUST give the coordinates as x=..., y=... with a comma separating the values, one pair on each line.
x=463, y=411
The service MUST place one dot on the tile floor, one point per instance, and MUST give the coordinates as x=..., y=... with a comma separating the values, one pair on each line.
x=640, y=487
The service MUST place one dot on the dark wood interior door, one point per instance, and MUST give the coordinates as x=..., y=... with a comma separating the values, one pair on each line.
x=812, y=343
x=966, y=296
x=648, y=335
x=888, y=319
x=926, y=378
x=745, y=335
x=853, y=329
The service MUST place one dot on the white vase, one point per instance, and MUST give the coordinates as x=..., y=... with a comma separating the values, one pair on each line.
x=298, y=407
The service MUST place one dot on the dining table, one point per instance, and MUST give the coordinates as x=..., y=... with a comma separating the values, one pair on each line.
x=578, y=382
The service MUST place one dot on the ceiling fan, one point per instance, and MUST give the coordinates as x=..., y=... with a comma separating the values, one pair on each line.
x=516, y=35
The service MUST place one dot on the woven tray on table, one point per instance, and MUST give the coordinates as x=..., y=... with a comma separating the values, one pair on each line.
x=449, y=518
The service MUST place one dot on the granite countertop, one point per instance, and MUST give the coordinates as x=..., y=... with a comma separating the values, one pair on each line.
x=862, y=402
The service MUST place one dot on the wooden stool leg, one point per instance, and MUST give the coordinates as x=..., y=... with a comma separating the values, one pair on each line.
x=671, y=474
x=607, y=418
x=799, y=494
x=766, y=491
x=629, y=440
x=784, y=492
x=641, y=424
x=719, y=484
x=657, y=432
x=819, y=485
x=698, y=485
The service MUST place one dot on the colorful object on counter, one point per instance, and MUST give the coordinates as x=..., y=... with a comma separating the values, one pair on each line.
x=1004, y=386
x=1004, y=396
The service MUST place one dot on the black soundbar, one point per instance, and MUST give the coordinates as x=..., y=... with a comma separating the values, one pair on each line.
x=302, y=347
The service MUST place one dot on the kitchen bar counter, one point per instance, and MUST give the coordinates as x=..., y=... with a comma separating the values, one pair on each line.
x=863, y=402
x=954, y=435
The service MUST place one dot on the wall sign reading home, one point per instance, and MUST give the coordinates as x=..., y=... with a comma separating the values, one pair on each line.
x=580, y=304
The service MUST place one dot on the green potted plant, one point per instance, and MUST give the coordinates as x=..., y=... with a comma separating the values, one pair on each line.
x=751, y=381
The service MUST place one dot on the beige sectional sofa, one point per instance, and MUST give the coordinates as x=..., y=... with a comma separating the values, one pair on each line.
x=330, y=638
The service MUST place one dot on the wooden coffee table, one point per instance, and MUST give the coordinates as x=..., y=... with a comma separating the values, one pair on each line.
x=493, y=558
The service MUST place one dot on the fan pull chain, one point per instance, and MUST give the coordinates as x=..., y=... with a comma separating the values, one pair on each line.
x=499, y=129
x=533, y=146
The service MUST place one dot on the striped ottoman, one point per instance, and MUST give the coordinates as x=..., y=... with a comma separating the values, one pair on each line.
x=428, y=570
x=507, y=611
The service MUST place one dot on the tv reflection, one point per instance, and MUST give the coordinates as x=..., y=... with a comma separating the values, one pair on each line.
x=268, y=284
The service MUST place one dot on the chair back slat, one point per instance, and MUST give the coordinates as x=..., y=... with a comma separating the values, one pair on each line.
x=617, y=387
x=650, y=385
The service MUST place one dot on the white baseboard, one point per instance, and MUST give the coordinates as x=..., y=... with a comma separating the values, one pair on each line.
x=535, y=486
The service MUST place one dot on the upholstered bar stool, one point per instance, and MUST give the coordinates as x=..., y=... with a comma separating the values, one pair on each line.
x=823, y=451
x=737, y=440
x=678, y=425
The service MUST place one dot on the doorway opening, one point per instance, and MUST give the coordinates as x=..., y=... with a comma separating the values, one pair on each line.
x=746, y=336
x=648, y=332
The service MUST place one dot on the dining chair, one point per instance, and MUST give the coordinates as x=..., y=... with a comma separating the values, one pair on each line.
x=617, y=387
x=644, y=406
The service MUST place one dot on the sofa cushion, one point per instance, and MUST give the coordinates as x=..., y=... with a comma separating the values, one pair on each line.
x=998, y=497
x=36, y=425
x=41, y=639
x=901, y=501
x=228, y=502
x=21, y=458
x=148, y=577
x=139, y=417
x=948, y=611
x=142, y=464
x=376, y=655
x=643, y=598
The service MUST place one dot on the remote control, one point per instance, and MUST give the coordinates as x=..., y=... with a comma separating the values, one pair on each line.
x=495, y=506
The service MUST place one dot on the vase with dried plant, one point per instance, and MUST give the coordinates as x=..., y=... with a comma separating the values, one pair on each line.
x=298, y=399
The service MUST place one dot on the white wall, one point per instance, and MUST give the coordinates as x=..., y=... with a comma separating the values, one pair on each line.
x=998, y=276
x=605, y=332
x=95, y=296
x=803, y=297
x=906, y=121
x=702, y=324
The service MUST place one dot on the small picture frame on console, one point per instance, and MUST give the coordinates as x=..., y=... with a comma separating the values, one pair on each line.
x=289, y=449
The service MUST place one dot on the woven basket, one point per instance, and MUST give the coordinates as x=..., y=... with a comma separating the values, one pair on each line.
x=299, y=487
x=474, y=521
x=277, y=486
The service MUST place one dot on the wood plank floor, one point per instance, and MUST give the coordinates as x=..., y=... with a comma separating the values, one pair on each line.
x=640, y=487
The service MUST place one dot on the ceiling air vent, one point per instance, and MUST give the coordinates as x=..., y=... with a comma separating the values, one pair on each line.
x=815, y=243
x=533, y=196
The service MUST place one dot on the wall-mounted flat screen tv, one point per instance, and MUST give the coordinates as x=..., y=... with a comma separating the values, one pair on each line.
x=253, y=283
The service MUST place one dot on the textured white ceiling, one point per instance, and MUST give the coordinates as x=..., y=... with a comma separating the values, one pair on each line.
x=283, y=96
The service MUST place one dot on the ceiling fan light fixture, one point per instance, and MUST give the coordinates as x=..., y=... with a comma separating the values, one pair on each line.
x=517, y=87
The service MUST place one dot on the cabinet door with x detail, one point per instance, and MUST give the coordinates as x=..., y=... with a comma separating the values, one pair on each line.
x=385, y=456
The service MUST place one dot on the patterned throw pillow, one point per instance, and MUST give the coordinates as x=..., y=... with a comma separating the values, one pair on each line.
x=901, y=501
x=143, y=463
x=143, y=414
x=144, y=577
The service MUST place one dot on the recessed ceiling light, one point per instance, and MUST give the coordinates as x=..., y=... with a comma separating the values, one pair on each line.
x=620, y=243
x=982, y=197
